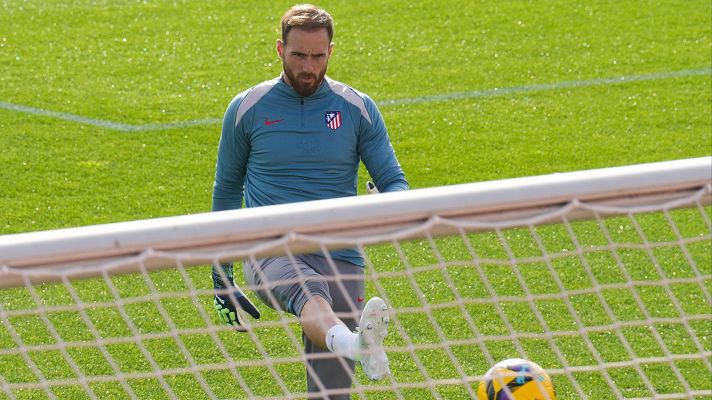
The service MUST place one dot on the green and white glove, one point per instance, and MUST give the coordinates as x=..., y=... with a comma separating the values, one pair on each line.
x=229, y=299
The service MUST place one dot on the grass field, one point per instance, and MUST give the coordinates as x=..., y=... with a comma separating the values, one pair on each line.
x=109, y=112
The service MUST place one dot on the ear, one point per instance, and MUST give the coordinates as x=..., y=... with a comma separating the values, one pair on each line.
x=331, y=48
x=280, y=48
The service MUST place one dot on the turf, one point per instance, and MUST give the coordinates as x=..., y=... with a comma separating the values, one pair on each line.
x=145, y=62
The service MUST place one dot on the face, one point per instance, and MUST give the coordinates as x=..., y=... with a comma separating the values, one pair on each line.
x=305, y=57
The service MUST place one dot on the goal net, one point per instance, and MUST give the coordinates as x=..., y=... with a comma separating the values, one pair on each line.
x=602, y=277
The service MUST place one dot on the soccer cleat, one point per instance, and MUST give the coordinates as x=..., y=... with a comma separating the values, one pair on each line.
x=372, y=329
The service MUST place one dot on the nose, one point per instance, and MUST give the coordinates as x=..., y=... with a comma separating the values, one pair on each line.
x=308, y=65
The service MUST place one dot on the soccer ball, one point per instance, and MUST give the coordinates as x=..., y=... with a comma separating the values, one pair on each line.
x=516, y=379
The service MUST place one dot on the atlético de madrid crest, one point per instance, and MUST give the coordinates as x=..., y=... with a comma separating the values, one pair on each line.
x=333, y=119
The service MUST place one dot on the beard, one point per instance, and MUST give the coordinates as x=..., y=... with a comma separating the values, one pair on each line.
x=304, y=88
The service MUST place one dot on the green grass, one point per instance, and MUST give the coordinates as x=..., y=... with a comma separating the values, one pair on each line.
x=141, y=63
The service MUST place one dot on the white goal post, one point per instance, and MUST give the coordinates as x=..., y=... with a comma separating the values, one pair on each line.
x=587, y=258
x=348, y=217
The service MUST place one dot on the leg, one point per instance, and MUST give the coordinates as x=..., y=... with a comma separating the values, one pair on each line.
x=304, y=290
x=298, y=282
x=322, y=294
x=347, y=301
x=316, y=318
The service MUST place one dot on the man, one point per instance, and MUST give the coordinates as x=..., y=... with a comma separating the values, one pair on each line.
x=300, y=137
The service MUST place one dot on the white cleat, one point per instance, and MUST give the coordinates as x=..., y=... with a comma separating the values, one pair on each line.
x=373, y=328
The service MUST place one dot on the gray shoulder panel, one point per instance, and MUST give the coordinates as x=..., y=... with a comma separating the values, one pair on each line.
x=348, y=94
x=252, y=97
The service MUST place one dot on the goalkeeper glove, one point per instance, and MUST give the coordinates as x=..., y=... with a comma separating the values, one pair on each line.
x=229, y=299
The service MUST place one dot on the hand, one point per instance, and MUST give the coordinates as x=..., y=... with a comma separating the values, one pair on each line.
x=227, y=306
x=229, y=299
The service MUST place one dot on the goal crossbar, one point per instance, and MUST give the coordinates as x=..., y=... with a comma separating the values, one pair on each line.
x=341, y=218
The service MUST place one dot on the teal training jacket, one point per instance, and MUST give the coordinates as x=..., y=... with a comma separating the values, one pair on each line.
x=278, y=147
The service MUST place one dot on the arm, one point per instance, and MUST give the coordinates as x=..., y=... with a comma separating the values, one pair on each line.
x=233, y=152
x=377, y=152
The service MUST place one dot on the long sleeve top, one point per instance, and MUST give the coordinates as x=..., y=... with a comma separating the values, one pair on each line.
x=278, y=147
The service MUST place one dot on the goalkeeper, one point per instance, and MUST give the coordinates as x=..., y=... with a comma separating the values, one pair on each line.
x=300, y=137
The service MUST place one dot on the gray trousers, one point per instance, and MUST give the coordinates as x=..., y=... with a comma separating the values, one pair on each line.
x=286, y=284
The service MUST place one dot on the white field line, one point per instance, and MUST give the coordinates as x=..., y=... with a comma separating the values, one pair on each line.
x=547, y=86
x=118, y=126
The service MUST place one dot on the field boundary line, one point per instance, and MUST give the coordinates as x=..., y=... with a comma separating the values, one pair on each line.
x=546, y=86
x=124, y=127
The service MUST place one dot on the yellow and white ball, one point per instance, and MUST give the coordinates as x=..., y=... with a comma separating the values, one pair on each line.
x=516, y=379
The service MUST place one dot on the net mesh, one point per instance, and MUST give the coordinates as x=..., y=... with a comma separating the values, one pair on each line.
x=613, y=306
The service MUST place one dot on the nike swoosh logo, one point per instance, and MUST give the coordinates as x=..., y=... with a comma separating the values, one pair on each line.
x=274, y=121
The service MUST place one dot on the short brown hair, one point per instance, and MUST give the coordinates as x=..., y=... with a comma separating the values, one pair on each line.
x=309, y=17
